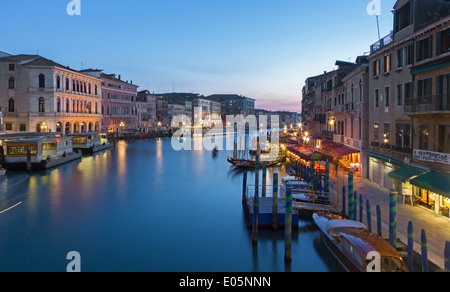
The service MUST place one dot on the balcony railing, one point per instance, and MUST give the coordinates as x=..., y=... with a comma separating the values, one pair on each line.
x=382, y=43
x=427, y=104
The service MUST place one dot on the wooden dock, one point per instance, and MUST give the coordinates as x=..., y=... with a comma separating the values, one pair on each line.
x=265, y=211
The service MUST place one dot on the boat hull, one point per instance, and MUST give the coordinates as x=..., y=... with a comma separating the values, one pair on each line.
x=44, y=164
x=250, y=164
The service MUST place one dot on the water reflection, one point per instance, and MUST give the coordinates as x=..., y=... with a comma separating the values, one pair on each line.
x=143, y=207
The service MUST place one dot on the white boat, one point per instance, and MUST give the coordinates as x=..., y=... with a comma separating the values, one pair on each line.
x=351, y=243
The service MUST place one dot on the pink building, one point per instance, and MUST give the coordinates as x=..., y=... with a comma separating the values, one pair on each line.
x=118, y=104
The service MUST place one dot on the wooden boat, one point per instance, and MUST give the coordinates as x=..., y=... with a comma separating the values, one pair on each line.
x=350, y=242
x=245, y=163
x=91, y=142
x=39, y=153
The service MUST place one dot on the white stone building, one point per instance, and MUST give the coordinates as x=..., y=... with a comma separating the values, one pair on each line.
x=40, y=95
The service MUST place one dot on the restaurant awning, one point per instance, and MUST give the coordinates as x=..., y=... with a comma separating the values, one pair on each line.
x=343, y=151
x=436, y=182
x=407, y=173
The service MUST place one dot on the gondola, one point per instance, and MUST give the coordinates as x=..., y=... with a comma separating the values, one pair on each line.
x=244, y=163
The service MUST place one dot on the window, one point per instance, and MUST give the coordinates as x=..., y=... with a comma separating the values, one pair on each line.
x=400, y=95
x=387, y=63
x=403, y=136
x=400, y=58
x=12, y=67
x=41, y=81
x=377, y=98
x=67, y=106
x=41, y=105
x=443, y=42
x=8, y=127
x=424, y=88
x=387, y=96
x=58, y=105
x=360, y=90
x=376, y=68
x=387, y=133
x=407, y=90
x=409, y=53
x=11, y=83
x=67, y=84
x=423, y=137
x=58, y=82
x=424, y=49
x=23, y=127
x=11, y=105
x=403, y=17
x=376, y=132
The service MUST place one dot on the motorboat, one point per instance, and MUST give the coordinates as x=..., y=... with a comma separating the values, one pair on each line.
x=354, y=246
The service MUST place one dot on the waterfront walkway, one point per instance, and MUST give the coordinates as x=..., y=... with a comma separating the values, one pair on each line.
x=437, y=227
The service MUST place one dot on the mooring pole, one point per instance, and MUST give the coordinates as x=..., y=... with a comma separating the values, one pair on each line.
x=424, y=246
x=288, y=226
x=275, y=202
x=411, y=246
x=380, y=232
x=393, y=218
x=369, y=216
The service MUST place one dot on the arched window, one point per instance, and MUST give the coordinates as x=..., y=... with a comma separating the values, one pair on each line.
x=11, y=105
x=73, y=106
x=58, y=105
x=96, y=93
x=41, y=81
x=67, y=105
x=78, y=86
x=74, y=85
x=11, y=83
x=41, y=105
x=89, y=90
x=96, y=108
x=67, y=84
x=58, y=82
x=67, y=128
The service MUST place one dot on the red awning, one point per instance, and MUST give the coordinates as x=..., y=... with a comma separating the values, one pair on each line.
x=326, y=143
x=343, y=151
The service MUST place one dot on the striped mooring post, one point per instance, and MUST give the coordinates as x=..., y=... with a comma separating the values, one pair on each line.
x=256, y=204
x=369, y=216
x=379, y=231
x=264, y=180
x=288, y=226
x=343, y=202
x=424, y=246
x=275, y=202
x=313, y=173
x=327, y=178
x=355, y=205
x=410, y=248
x=244, y=188
x=393, y=218
x=447, y=257
x=351, y=206
x=361, y=208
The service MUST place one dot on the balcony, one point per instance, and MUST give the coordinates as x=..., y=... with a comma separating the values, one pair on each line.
x=382, y=43
x=428, y=105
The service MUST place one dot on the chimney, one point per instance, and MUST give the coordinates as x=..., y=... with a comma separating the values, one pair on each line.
x=119, y=77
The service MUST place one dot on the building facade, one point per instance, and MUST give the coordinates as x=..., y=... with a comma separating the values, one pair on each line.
x=409, y=121
x=119, y=102
x=40, y=95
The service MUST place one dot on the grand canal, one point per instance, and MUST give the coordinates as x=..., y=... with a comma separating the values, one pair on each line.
x=143, y=207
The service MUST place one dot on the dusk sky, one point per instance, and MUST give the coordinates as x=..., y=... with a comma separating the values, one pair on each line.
x=261, y=49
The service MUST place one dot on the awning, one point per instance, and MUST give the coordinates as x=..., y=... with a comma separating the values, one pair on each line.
x=343, y=151
x=407, y=173
x=326, y=143
x=436, y=182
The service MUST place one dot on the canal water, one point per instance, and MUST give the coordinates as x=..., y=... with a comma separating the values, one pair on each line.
x=143, y=207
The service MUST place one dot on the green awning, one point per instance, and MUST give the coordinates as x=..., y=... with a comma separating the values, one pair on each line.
x=385, y=159
x=436, y=182
x=429, y=68
x=407, y=173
